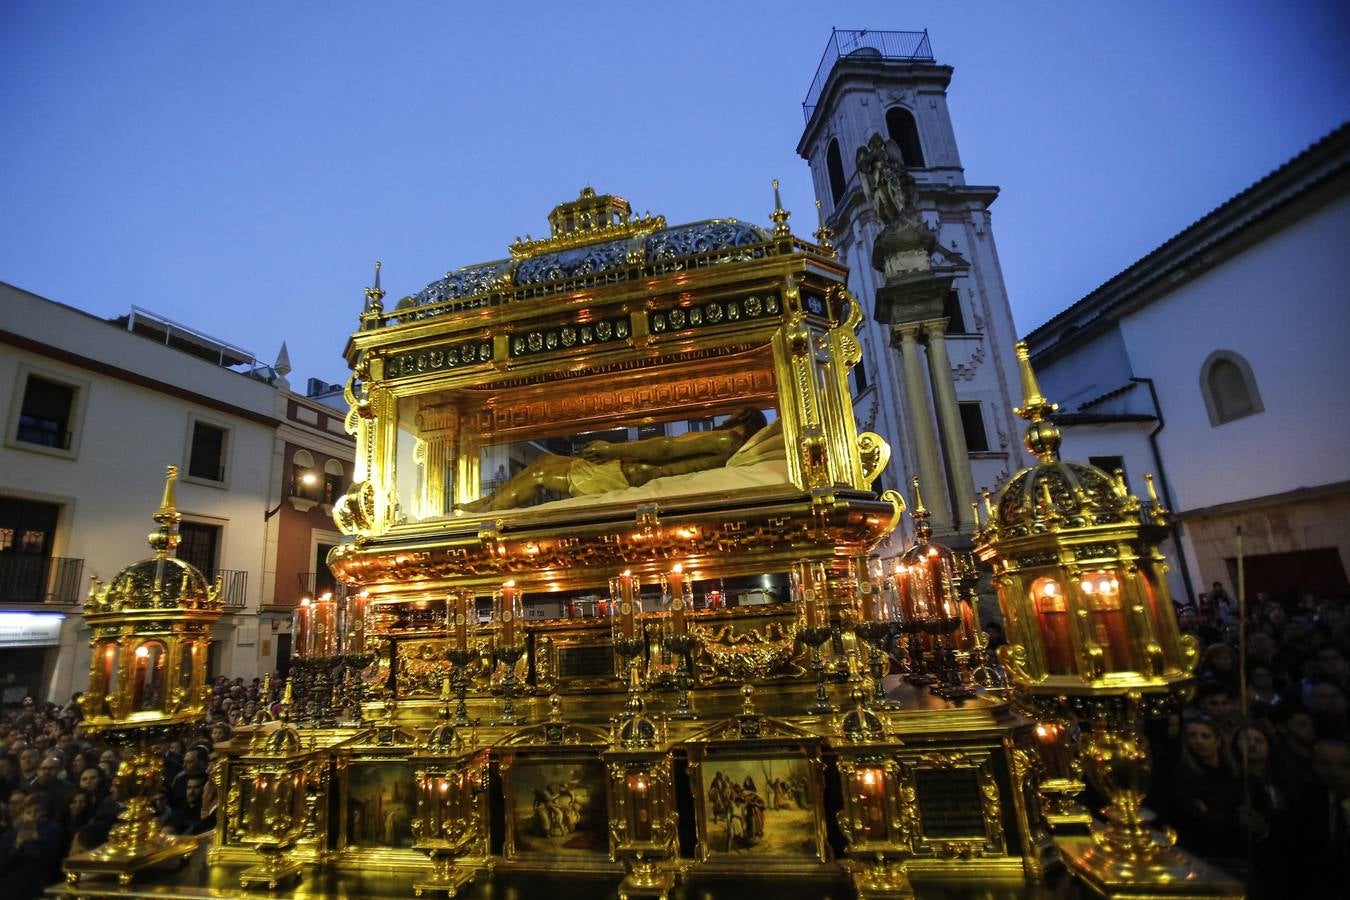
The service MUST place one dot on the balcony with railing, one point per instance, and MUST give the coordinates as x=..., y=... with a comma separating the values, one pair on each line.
x=233, y=587
x=31, y=578
x=864, y=44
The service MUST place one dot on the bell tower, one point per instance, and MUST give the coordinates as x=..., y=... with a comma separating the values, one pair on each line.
x=938, y=374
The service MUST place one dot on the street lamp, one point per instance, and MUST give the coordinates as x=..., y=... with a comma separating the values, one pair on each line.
x=309, y=479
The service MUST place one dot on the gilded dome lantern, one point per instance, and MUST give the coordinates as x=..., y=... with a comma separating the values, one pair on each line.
x=1093, y=636
x=150, y=629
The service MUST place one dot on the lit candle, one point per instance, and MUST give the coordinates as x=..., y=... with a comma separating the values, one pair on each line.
x=507, y=609
x=300, y=622
x=677, y=582
x=808, y=599
x=627, y=615
x=873, y=802
x=459, y=618
x=323, y=635
x=360, y=609
x=865, y=593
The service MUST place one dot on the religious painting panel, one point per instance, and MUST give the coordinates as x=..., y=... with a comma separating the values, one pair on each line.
x=761, y=806
x=556, y=808
x=379, y=800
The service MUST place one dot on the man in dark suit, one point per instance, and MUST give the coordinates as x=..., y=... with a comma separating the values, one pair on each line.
x=1324, y=822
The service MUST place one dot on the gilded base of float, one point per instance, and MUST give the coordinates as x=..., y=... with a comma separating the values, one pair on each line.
x=272, y=873
x=648, y=879
x=449, y=883
x=126, y=862
x=1170, y=874
x=881, y=880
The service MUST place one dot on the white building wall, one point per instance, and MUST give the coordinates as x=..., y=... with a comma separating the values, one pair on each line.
x=126, y=435
x=1282, y=304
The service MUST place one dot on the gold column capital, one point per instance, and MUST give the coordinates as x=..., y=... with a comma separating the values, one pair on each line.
x=908, y=332
x=934, y=327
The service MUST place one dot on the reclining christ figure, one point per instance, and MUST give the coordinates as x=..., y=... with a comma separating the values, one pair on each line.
x=605, y=466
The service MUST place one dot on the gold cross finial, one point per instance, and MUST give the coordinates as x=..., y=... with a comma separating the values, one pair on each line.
x=1042, y=437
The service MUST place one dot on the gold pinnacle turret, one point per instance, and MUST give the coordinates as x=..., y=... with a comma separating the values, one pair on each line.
x=1042, y=436
x=779, y=216
x=922, y=530
x=824, y=234
x=167, y=517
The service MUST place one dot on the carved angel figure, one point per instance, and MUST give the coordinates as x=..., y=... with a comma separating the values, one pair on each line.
x=886, y=182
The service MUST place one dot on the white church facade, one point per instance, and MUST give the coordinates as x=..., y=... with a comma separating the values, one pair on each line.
x=941, y=389
x=1219, y=362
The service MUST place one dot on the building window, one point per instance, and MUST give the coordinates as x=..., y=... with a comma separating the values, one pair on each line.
x=972, y=423
x=860, y=377
x=1229, y=387
x=1109, y=464
x=198, y=545
x=333, y=483
x=905, y=132
x=302, y=465
x=206, y=458
x=45, y=415
x=834, y=166
x=951, y=308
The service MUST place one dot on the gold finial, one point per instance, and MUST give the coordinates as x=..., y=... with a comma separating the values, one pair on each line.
x=823, y=233
x=1042, y=437
x=779, y=216
x=167, y=517
x=988, y=499
x=922, y=530
x=975, y=513
x=168, y=506
x=374, y=294
x=1157, y=510
x=287, y=700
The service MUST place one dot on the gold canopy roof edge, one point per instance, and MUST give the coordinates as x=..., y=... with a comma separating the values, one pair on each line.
x=647, y=291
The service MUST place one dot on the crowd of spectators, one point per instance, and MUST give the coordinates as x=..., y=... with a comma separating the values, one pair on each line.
x=1262, y=786
x=58, y=790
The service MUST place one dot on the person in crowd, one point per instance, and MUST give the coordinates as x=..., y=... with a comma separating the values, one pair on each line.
x=29, y=759
x=1322, y=838
x=50, y=780
x=30, y=850
x=183, y=818
x=1211, y=817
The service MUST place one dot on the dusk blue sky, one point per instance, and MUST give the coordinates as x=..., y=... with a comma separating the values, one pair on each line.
x=239, y=166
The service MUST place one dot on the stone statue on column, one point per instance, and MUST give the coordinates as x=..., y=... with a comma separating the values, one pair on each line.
x=906, y=240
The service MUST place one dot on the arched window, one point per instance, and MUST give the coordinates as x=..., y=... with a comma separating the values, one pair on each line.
x=1229, y=387
x=905, y=132
x=304, y=479
x=834, y=166
x=333, y=484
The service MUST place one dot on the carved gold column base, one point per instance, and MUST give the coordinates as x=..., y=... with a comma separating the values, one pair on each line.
x=1063, y=813
x=647, y=878
x=1167, y=873
x=275, y=869
x=446, y=878
x=880, y=879
x=125, y=860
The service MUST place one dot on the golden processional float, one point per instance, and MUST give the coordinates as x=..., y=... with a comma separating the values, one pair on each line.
x=613, y=606
x=613, y=597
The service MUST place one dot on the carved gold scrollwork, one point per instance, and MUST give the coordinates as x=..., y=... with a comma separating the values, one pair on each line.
x=874, y=453
x=354, y=513
x=750, y=655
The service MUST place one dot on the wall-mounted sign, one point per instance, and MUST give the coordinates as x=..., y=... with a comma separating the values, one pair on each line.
x=18, y=629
